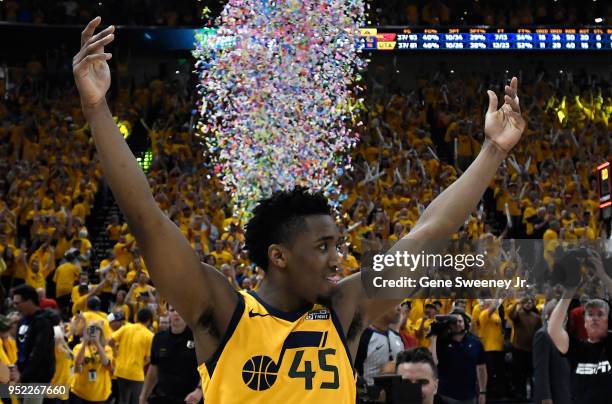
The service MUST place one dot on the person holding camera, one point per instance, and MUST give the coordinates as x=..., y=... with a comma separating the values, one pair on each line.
x=460, y=359
x=92, y=368
x=591, y=372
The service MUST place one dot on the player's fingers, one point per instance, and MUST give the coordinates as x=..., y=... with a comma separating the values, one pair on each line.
x=514, y=85
x=513, y=102
x=89, y=30
x=83, y=64
x=512, y=89
x=517, y=120
x=492, y=102
x=101, y=34
x=98, y=46
x=93, y=48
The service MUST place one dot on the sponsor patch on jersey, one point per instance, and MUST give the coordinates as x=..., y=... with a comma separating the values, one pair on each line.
x=321, y=314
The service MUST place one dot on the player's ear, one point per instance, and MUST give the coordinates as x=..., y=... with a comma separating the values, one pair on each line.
x=277, y=255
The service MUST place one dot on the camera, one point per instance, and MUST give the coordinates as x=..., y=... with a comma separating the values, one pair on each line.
x=441, y=324
x=567, y=264
x=91, y=330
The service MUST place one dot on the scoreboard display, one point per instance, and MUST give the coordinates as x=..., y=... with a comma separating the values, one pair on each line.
x=499, y=39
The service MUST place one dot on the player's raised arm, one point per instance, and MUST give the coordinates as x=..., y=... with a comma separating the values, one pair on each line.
x=446, y=213
x=193, y=288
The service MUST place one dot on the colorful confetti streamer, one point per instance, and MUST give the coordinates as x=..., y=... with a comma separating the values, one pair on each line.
x=279, y=82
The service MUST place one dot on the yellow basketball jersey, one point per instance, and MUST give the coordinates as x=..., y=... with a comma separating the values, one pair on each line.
x=268, y=356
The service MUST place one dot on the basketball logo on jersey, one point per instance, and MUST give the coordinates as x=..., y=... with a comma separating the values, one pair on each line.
x=260, y=372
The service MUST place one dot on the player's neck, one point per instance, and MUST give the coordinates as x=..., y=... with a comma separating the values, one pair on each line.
x=279, y=297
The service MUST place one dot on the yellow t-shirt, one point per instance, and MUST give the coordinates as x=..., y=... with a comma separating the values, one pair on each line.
x=223, y=257
x=122, y=254
x=62, y=246
x=421, y=336
x=9, y=349
x=93, y=383
x=64, y=277
x=36, y=279
x=349, y=265
x=4, y=359
x=490, y=331
x=80, y=304
x=19, y=268
x=138, y=290
x=63, y=367
x=134, y=347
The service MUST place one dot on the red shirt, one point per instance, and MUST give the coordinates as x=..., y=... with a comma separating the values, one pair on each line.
x=576, y=323
x=48, y=304
x=409, y=340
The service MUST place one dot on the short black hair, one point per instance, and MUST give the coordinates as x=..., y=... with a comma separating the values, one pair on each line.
x=94, y=303
x=417, y=355
x=144, y=315
x=27, y=292
x=279, y=218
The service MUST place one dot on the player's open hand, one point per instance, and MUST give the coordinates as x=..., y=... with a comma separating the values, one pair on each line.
x=89, y=66
x=505, y=125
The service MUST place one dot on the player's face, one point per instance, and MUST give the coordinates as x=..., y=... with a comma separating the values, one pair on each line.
x=423, y=374
x=596, y=323
x=314, y=258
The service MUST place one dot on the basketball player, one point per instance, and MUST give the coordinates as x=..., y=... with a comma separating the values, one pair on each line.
x=292, y=340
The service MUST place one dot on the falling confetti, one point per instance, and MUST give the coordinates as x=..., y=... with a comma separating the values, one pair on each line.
x=279, y=87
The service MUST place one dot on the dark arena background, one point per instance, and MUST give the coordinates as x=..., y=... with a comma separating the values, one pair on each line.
x=405, y=122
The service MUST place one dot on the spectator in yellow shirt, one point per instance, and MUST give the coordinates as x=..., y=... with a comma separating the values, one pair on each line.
x=63, y=363
x=492, y=337
x=93, y=315
x=114, y=228
x=35, y=276
x=422, y=325
x=65, y=277
x=140, y=287
x=132, y=344
x=348, y=263
x=92, y=367
x=222, y=256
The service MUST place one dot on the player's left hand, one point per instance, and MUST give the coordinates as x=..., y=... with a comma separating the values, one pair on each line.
x=504, y=126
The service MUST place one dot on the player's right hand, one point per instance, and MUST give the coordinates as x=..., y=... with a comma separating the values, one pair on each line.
x=89, y=66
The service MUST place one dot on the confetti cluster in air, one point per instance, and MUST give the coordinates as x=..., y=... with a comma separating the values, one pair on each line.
x=279, y=85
